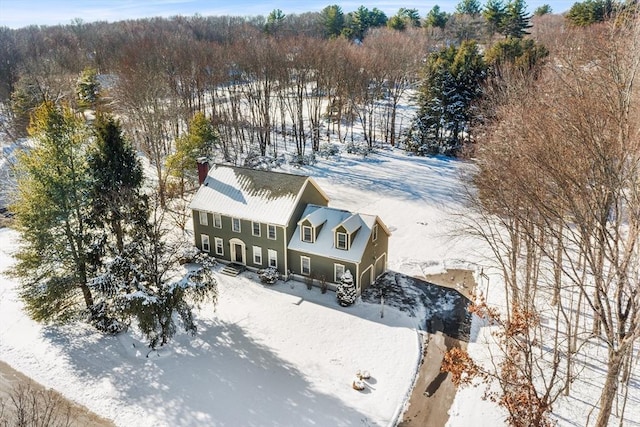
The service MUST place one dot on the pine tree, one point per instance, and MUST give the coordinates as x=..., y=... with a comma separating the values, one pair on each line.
x=346, y=293
x=198, y=142
x=88, y=88
x=516, y=21
x=116, y=182
x=51, y=211
x=332, y=21
x=145, y=285
x=469, y=7
x=494, y=13
x=453, y=79
x=436, y=18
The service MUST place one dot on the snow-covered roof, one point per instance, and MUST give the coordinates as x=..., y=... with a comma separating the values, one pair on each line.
x=315, y=218
x=350, y=224
x=256, y=195
x=324, y=243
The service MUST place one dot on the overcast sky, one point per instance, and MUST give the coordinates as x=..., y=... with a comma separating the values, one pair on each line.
x=21, y=13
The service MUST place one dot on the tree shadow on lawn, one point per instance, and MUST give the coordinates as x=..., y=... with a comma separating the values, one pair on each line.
x=434, y=179
x=220, y=377
x=445, y=308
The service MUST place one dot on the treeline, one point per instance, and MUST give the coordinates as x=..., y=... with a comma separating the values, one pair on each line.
x=262, y=81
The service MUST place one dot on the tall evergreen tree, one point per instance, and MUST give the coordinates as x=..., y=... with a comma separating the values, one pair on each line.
x=516, y=21
x=88, y=88
x=116, y=181
x=542, y=10
x=143, y=284
x=51, y=213
x=275, y=20
x=199, y=141
x=589, y=12
x=411, y=16
x=469, y=7
x=494, y=13
x=453, y=79
x=436, y=18
x=332, y=19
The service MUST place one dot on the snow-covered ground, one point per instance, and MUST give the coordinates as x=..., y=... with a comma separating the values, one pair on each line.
x=280, y=355
x=284, y=355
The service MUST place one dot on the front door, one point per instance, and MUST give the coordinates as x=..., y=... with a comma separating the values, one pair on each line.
x=238, y=250
x=239, y=253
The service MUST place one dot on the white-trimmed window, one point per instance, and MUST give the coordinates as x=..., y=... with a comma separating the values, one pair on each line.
x=204, y=218
x=205, y=243
x=235, y=225
x=338, y=272
x=255, y=228
x=219, y=246
x=341, y=241
x=257, y=255
x=305, y=265
x=307, y=234
x=217, y=220
x=273, y=258
x=271, y=232
x=374, y=233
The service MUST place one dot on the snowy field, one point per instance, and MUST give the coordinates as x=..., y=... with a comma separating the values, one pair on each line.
x=284, y=355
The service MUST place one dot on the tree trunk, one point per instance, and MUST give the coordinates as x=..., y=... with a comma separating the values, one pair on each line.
x=610, y=387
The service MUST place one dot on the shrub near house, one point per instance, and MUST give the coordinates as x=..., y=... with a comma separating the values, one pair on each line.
x=264, y=219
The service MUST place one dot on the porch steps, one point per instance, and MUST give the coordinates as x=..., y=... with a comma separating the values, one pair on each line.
x=233, y=269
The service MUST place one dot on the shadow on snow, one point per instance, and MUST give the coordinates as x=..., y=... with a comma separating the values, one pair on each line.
x=220, y=377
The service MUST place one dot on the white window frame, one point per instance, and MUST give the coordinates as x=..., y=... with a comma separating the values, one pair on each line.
x=336, y=276
x=346, y=240
x=219, y=246
x=206, y=244
x=253, y=229
x=302, y=264
x=275, y=232
x=203, y=218
x=217, y=220
x=273, y=258
x=257, y=255
x=302, y=233
x=374, y=233
x=234, y=222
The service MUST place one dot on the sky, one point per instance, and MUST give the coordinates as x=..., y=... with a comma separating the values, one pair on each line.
x=22, y=13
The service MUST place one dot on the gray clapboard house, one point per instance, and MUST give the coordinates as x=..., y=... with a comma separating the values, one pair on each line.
x=263, y=219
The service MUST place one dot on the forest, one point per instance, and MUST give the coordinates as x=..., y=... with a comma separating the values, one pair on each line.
x=546, y=106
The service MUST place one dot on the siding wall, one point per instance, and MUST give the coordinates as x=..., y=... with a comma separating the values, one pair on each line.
x=226, y=233
x=319, y=266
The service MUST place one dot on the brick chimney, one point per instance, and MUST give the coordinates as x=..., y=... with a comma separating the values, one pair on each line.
x=203, y=169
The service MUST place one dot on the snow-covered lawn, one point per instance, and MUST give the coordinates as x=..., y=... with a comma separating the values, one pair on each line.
x=278, y=355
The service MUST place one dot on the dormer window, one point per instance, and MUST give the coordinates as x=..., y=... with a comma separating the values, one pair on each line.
x=341, y=241
x=307, y=234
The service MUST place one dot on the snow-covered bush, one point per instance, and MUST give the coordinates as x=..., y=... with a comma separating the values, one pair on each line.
x=301, y=160
x=358, y=148
x=255, y=161
x=268, y=276
x=189, y=255
x=346, y=292
x=328, y=150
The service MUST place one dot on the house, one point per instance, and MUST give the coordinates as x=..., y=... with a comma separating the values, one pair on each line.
x=269, y=219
